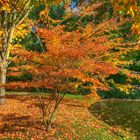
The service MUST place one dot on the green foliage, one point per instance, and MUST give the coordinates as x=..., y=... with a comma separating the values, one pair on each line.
x=119, y=78
x=84, y=88
x=116, y=93
x=135, y=81
x=133, y=55
x=31, y=42
x=57, y=12
x=23, y=77
x=134, y=67
x=34, y=14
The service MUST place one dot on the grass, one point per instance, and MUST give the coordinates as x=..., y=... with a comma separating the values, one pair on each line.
x=119, y=113
x=71, y=96
x=73, y=121
x=92, y=129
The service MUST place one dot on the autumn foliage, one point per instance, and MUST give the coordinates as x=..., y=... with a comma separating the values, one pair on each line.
x=68, y=60
x=72, y=54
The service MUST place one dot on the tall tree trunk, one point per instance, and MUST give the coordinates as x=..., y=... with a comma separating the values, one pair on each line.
x=3, y=71
x=6, y=40
x=3, y=68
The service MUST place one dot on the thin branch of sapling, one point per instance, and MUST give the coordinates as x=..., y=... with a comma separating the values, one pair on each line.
x=49, y=121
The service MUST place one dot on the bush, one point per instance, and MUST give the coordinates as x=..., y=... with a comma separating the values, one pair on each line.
x=116, y=93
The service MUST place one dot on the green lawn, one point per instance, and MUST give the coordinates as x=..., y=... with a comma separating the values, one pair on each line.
x=119, y=113
x=71, y=96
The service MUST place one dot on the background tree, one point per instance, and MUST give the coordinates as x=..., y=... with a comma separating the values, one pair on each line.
x=12, y=15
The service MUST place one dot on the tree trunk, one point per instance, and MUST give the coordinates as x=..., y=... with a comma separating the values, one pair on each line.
x=7, y=24
x=3, y=69
x=4, y=54
x=48, y=125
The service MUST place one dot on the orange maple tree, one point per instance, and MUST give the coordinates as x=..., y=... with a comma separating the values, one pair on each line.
x=69, y=59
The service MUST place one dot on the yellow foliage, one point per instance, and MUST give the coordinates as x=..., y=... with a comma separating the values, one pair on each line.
x=136, y=28
x=10, y=5
x=20, y=31
x=124, y=88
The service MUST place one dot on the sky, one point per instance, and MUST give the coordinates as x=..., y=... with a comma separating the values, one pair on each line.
x=73, y=5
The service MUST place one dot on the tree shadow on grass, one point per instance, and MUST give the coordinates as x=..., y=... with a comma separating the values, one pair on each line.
x=13, y=123
x=21, y=98
x=24, y=98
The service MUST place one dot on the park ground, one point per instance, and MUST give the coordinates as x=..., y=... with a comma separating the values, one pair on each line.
x=76, y=119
